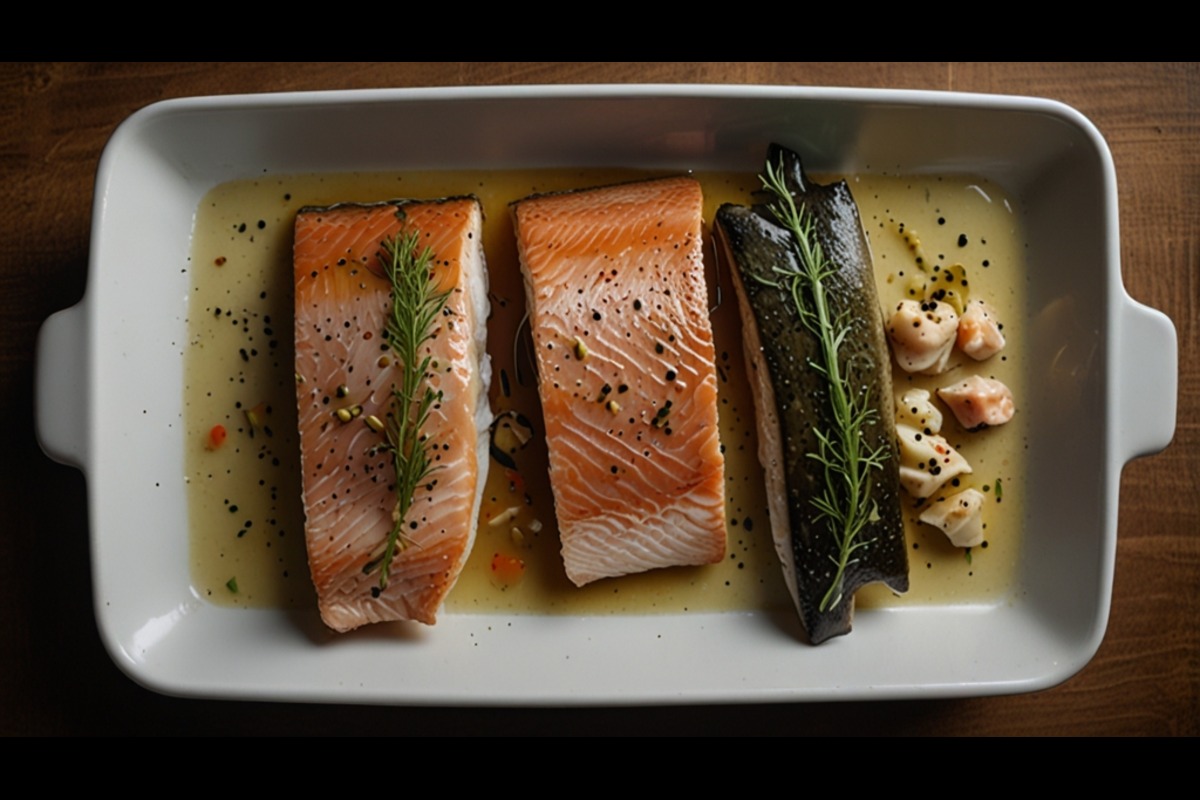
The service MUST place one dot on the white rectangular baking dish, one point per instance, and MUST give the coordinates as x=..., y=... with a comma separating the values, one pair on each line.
x=1102, y=370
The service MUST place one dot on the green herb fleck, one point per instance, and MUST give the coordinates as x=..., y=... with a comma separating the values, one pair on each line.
x=231, y=585
x=416, y=304
x=967, y=554
x=581, y=349
x=845, y=499
x=999, y=489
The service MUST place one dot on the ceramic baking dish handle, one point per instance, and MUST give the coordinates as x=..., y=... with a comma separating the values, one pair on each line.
x=62, y=406
x=1147, y=379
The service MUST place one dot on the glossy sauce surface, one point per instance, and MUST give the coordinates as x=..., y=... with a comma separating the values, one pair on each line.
x=247, y=527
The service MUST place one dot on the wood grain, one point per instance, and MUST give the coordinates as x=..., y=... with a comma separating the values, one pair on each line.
x=55, y=677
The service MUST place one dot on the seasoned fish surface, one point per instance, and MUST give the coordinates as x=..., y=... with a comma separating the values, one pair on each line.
x=342, y=303
x=619, y=313
x=793, y=397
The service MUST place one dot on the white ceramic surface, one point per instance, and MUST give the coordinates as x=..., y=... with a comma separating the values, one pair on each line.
x=1115, y=358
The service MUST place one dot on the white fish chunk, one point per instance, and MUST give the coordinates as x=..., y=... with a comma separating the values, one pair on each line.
x=927, y=461
x=923, y=335
x=979, y=333
x=916, y=409
x=959, y=516
x=979, y=402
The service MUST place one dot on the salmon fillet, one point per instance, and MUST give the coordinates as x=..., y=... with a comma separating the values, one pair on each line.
x=619, y=313
x=343, y=363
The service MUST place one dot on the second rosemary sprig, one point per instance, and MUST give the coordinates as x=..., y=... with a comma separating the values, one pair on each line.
x=845, y=499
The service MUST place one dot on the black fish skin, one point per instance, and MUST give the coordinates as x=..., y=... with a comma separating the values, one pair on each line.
x=756, y=243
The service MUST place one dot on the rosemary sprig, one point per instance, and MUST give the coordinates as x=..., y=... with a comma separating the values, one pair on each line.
x=416, y=304
x=845, y=501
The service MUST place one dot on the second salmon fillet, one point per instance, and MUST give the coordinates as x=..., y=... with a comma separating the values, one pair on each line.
x=618, y=306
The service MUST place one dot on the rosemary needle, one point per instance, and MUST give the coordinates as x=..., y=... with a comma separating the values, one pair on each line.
x=416, y=304
x=844, y=501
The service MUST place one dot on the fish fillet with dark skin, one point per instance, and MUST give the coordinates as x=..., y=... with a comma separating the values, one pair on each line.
x=795, y=400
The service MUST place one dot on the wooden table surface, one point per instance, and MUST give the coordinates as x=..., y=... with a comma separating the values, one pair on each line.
x=55, y=677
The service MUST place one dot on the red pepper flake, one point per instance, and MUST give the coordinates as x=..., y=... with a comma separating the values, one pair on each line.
x=506, y=571
x=216, y=437
x=220, y=262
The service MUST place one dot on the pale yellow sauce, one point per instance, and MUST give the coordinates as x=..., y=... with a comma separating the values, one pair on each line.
x=940, y=210
x=246, y=273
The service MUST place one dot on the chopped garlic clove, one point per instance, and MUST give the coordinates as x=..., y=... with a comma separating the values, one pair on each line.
x=922, y=335
x=979, y=333
x=979, y=402
x=504, y=517
x=959, y=516
x=916, y=409
x=927, y=461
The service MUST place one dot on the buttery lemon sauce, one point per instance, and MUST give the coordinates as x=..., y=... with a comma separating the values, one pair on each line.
x=246, y=518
